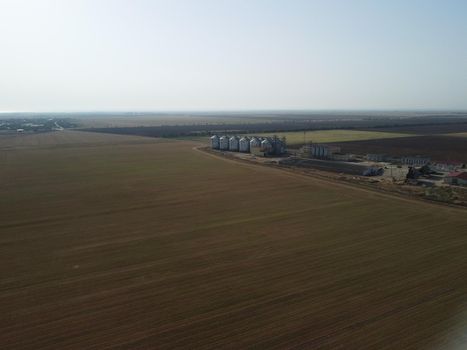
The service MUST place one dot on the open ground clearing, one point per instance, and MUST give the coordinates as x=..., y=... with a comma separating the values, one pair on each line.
x=118, y=244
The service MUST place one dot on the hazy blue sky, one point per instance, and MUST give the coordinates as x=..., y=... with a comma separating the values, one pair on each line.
x=251, y=54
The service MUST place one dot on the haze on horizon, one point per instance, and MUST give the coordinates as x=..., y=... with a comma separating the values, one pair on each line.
x=83, y=55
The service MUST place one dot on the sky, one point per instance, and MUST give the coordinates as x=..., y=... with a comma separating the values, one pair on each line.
x=143, y=55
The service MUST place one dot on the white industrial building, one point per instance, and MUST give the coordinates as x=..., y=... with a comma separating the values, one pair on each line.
x=320, y=151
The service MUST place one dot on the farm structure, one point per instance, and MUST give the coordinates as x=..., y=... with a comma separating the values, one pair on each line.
x=439, y=148
x=233, y=143
x=319, y=151
x=376, y=157
x=458, y=178
x=446, y=166
x=415, y=161
x=215, y=142
x=224, y=143
x=260, y=146
x=244, y=145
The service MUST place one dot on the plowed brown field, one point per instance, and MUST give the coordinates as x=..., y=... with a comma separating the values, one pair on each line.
x=152, y=245
x=439, y=148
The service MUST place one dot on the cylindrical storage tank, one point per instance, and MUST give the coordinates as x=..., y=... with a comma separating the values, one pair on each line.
x=215, y=142
x=224, y=143
x=321, y=151
x=318, y=151
x=244, y=144
x=255, y=142
x=266, y=145
x=233, y=144
x=277, y=145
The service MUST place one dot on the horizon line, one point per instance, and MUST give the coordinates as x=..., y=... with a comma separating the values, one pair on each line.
x=252, y=110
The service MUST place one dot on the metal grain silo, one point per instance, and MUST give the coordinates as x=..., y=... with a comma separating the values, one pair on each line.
x=266, y=146
x=322, y=152
x=244, y=144
x=215, y=142
x=233, y=143
x=255, y=142
x=224, y=143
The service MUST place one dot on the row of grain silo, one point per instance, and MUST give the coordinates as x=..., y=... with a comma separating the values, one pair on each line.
x=256, y=145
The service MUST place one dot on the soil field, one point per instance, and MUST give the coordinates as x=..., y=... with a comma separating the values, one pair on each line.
x=153, y=245
x=428, y=129
x=249, y=124
x=224, y=128
x=460, y=134
x=326, y=165
x=322, y=119
x=66, y=139
x=163, y=120
x=439, y=148
x=295, y=139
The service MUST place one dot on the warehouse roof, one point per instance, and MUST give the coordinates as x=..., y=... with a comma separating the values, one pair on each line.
x=459, y=175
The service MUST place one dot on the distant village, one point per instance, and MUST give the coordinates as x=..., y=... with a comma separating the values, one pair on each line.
x=30, y=125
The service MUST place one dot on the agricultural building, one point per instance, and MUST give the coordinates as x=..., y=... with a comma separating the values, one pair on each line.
x=259, y=146
x=446, y=166
x=233, y=144
x=266, y=146
x=373, y=157
x=224, y=143
x=458, y=178
x=215, y=142
x=258, y=151
x=319, y=151
x=343, y=157
x=255, y=142
x=415, y=161
x=373, y=171
x=244, y=144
